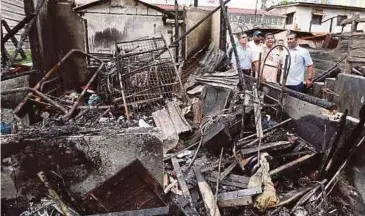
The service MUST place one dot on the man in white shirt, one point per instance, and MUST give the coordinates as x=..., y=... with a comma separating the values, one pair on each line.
x=245, y=54
x=256, y=46
x=300, y=61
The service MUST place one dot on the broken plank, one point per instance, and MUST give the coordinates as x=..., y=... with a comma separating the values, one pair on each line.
x=237, y=198
x=233, y=177
x=207, y=194
x=240, y=193
x=227, y=182
x=290, y=165
x=267, y=147
x=182, y=183
x=228, y=170
x=149, y=211
x=164, y=123
x=178, y=120
x=293, y=195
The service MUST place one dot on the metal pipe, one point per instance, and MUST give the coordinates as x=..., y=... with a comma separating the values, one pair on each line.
x=304, y=97
x=175, y=68
x=36, y=92
x=176, y=31
x=228, y=25
x=68, y=115
x=17, y=74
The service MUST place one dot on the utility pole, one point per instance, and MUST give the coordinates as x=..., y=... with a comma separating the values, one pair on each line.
x=195, y=3
x=255, y=12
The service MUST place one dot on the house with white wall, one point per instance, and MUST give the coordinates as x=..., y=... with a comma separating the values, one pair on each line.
x=317, y=17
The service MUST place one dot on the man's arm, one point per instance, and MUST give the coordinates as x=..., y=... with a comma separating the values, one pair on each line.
x=309, y=64
x=310, y=76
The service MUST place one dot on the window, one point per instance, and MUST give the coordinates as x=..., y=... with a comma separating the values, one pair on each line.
x=316, y=19
x=341, y=18
x=289, y=18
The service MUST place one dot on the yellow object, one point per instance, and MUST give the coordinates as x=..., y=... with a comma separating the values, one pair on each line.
x=261, y=178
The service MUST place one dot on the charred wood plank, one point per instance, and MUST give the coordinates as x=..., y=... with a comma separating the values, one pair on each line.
x=180, y=123
x=237, y=198
x=290, y=165
x=267, y=147
x=266, y=130
x=343, y=152
x=150, y=211
x=227, y=182
x=207, y=194
x=182, y=183
x=331, y=149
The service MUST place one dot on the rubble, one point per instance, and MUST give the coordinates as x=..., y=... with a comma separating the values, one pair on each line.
x=141, y=137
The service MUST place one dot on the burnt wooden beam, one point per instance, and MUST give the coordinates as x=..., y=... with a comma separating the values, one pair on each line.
x=207, y=194
x=228, y=170
x=237, y=198
x=331, y=149
x=290, y=165
x=266, y=130
x=267, y=147
x=351, y=141
x=227, y=182
x=233, y=177
x=149, y=211
x=182, y=183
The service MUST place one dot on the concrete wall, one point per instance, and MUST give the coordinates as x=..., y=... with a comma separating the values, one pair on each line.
x=121, y=20
x=351, y=91
x=303, y=15
x=201, y=35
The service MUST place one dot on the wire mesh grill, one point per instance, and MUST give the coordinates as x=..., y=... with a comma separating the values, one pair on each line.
x=143, y=72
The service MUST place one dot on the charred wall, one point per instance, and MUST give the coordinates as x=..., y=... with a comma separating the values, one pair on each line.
x=112, y=21
x=57, y=30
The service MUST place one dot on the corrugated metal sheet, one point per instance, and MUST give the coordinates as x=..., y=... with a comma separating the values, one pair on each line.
x=13, y=12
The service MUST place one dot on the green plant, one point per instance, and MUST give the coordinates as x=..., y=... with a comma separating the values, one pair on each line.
x=28, y=55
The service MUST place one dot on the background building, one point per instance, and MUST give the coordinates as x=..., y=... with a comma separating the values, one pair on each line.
x=316, y=17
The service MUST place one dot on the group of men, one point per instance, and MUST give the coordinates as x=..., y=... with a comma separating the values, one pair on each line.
x=271, y=70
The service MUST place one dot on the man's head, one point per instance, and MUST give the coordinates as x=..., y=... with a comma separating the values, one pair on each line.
x=257, y=36
x=292, y=40
x=269, y=40
x=243, y=39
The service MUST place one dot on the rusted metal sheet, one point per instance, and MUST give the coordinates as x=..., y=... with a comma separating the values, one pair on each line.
x=131, y=188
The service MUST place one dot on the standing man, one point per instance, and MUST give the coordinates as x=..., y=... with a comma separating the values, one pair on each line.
x=300, y=61
x=245, y=54
x=256, y=47
x=255, y=44
x=271, y=67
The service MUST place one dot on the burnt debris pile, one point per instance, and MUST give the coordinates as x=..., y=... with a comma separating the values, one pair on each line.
x=145, y=137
